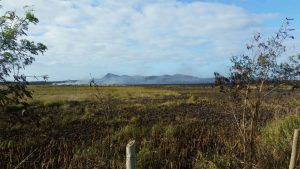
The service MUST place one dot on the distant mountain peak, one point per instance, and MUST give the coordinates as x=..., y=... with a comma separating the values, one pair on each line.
x=110, y=75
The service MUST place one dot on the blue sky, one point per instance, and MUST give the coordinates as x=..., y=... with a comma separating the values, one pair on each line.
x=149, y=37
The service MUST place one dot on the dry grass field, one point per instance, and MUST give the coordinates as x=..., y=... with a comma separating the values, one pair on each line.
x=175, y=126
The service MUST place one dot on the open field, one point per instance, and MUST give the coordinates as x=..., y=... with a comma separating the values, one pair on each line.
x=188, y=126
x=51, y=94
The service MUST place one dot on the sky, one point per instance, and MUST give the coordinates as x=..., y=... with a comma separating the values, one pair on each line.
x=148, y=37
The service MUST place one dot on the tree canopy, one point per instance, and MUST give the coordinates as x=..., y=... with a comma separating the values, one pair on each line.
x=16, y=52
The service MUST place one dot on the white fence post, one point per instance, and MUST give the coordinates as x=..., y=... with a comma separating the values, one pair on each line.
x=131, y=155
x=295, y=149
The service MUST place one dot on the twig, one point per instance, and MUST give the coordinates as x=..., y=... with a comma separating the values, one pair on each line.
x=25, y=159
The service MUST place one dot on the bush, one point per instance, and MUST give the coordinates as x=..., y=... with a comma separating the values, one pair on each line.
x=147, y=158
x=172, y=131
x=275, y=142
x=202, y=162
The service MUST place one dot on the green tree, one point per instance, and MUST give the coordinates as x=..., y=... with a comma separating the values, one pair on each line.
x=254, y=76
x=16, y=52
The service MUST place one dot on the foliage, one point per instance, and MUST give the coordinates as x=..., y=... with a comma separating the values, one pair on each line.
x=202, y=162
x=253, y=76
x=275, y=141
x=16, y=53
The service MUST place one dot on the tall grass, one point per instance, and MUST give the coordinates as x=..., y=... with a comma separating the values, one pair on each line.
x=276, y=140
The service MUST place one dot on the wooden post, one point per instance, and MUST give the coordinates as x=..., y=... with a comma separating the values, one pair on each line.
x=131, y=155
x=295, y=149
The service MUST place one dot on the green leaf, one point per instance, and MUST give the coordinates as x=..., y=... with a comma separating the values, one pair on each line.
x=31, y=18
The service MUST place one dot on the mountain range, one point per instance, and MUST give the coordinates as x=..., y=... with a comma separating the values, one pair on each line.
x=113, y=79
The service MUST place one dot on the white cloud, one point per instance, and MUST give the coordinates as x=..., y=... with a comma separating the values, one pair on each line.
x=115, y=35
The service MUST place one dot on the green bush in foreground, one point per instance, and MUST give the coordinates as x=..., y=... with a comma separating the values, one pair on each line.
x=275, y=141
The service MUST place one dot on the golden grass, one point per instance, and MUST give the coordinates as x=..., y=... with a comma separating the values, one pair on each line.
x=50, y=94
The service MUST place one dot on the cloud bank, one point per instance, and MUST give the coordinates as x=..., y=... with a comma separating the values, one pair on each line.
x=137, y=37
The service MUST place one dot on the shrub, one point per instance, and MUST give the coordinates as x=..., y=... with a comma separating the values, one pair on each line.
x=275, y=141
x=172, y=131
x=146, y=158
x=202, y=162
